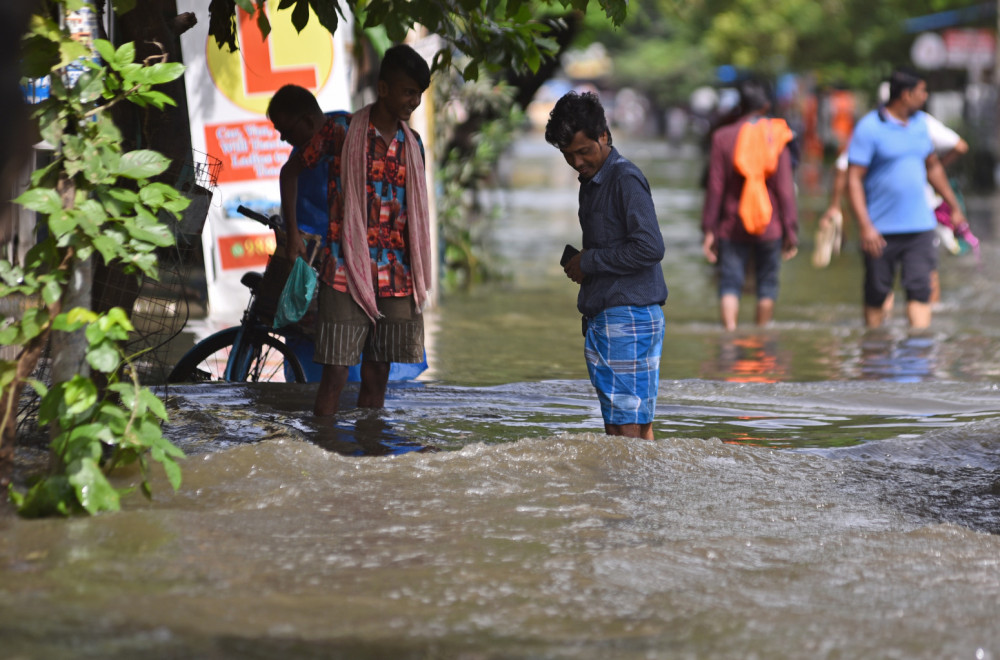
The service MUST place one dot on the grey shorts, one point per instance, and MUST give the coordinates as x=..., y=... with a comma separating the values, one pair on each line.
x=344, y=332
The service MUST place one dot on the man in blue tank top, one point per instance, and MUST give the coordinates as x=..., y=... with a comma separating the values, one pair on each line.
x=890, y=157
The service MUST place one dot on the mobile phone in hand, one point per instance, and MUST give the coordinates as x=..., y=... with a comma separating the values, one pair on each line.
x=568, y=253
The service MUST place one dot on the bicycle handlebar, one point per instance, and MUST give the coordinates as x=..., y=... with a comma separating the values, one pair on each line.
x=259, y=217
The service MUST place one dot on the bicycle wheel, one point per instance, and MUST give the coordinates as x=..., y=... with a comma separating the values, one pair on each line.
x=206, y=362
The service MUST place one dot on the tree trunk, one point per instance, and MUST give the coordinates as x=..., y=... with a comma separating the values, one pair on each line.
x=27, y=360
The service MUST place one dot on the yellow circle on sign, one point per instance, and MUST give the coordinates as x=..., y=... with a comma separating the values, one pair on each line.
x=250, y=76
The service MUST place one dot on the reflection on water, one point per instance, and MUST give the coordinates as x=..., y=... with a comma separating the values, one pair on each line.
x=364, y=433
x=883, y=354
x=909, y=359
x=748, y=359
x=815, y=489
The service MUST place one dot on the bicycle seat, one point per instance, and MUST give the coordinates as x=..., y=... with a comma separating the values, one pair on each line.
x=252, y=280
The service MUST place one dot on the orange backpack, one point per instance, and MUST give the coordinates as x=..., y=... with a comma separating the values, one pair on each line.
x=758, y=147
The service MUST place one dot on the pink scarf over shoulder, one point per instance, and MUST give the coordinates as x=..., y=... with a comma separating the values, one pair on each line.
x=354, y=231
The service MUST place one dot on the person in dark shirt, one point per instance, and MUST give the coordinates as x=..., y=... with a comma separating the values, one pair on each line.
x=618, y=269
x=370, y=305
x=749, y=212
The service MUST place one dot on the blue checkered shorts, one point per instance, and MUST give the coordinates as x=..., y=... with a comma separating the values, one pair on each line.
x=623, y=347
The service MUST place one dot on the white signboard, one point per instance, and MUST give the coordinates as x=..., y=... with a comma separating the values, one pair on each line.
x=227, y=97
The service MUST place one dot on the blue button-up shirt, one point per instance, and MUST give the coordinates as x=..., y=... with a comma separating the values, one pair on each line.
x=621, y=238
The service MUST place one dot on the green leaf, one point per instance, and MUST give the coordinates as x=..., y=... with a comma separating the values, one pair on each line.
x=79, y=395
x=147, y=228
x=43, y=174
x=52, y=495
x=153, y=98
x=52, y=405
x=71, y=51
x=40, y=388
x=34, y=322
x=124, y=56
x=43, y=26
x=93, y=491
x=41, y=200
x=41, y=55
x=164, y=72
x=8, y=372
x=158, y=235
x=90, y=86
x=110, y=162
x=51, y=292
x=172, y=470
x=144, y=262
x=83, y=441
x=91, y=216
x=164, y=452
x=106, y=129
x=471, y=71
x=74, y=319
x=103, y=357
x=151, y=195
x=153, y=403
x=52, y=125
x=62, y=223
x=326, y=12
x=148, y=431
x=9, y=334
x=125, y=392
x=177, y=205
x=109, y=245
x=124, y=195
x=105, y=49
x=104, y=330
x=73, y=147
x=117, y=318
x=533, y=60
x=142, y=164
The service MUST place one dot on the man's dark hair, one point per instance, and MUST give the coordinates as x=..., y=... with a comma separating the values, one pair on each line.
x=574, y=113
x=755, y=94
x=901, y=80
x=403, y=59
x=292, y=100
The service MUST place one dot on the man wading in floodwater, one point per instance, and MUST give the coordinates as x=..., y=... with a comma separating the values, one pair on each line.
x=376, y=268
x=618, y=270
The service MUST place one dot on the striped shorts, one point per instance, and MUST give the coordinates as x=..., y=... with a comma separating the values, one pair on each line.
x=343, y=331
x=623, y=347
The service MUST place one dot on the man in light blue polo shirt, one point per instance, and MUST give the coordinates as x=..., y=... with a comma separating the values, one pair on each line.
x=890, y=158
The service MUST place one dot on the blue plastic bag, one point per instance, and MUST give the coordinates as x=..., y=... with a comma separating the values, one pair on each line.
x=297, y=294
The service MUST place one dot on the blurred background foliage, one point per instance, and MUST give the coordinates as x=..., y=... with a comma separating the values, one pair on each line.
x=663, y=52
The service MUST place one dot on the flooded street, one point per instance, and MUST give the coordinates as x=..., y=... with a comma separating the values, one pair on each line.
x=815, y=490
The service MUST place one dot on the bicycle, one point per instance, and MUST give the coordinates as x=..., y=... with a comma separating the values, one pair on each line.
x=252, y=351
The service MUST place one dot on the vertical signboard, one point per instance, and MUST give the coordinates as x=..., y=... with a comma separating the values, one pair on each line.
x=228, y=95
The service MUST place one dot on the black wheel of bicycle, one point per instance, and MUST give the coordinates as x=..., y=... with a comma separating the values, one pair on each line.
x=206, y=362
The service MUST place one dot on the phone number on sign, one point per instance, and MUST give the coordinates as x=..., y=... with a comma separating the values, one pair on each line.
x=245, y=250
